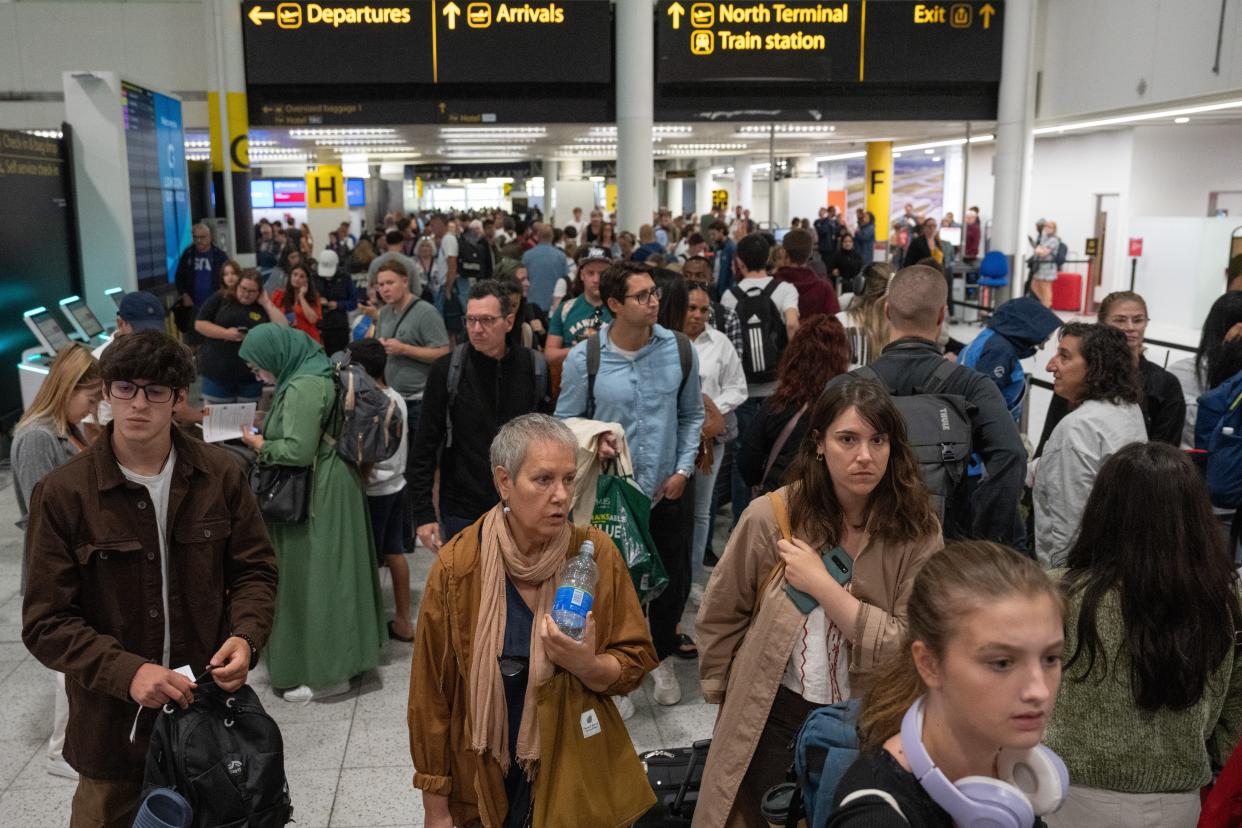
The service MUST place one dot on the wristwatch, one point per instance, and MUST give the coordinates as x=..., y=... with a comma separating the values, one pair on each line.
x=684, y=473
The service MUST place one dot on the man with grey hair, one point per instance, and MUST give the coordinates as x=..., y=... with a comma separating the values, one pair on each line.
x=470, y=394
x=197, y=275
x=916, y=309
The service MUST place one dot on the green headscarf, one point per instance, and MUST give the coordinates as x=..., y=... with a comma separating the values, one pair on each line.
x=286, y=352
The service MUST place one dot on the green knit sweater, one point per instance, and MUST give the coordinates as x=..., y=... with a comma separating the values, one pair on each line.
x=1108, y=743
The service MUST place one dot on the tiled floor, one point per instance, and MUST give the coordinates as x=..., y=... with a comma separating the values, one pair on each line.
x=347, y=759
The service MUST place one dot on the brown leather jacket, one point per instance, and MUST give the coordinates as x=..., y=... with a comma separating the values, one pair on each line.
x=438, y=717
x=94, y=606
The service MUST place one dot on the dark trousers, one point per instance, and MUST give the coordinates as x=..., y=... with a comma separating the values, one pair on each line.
x=672, y=529
x=105, y=803
x=412, y=408
x=773, y=756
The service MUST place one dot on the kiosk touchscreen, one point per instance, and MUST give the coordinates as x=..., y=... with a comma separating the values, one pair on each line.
x=47, y=330
x=116, y=294
x=81, y=317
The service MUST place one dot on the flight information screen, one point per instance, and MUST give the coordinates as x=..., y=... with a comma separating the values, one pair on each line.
x=157, y=182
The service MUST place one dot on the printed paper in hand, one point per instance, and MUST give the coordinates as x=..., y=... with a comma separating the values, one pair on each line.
x=225, y=422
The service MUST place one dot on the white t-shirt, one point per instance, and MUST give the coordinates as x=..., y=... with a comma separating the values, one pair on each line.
x=388, y=476
x=447, y=249
x=157, y=487
x=785, y=297
x=103, y=412
x=818, y=669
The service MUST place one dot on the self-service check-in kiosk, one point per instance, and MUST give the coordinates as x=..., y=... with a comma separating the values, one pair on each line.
x=36, y=362
x=83, y=320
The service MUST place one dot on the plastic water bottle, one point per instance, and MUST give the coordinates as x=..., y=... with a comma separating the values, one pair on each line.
x=576, y=592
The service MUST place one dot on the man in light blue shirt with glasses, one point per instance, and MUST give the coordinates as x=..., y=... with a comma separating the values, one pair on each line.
x=648, y=381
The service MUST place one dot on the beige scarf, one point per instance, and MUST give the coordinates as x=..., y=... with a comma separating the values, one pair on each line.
x=489, y=716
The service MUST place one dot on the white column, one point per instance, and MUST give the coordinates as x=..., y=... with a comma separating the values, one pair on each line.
x=744, y=178
x=954, y=183
x=551, y=173
x=806, y=167
x=675, y=189
x=570, y=169
x=227, y=104
x=1014, y=138
x=635, y=114
x=703, y=186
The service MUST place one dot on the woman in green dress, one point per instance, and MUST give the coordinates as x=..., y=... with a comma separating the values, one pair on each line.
x=329, y=614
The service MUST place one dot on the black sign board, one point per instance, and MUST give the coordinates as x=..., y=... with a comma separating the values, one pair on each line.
x=762, y=41
x=842, y=42
x=420, y=42
x=566, y=41
x=337, y=42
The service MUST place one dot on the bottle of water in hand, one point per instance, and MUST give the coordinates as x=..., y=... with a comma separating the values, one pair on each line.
x=575, y=593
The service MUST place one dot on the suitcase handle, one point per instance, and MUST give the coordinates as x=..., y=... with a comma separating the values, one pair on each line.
x=698, y=752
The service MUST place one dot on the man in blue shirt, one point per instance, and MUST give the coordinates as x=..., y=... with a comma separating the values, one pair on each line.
x=197, y=277
x=725, y=249
x=544, y=264
x=641, y=385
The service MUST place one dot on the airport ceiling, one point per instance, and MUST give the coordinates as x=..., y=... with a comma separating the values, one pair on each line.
x=682, y=143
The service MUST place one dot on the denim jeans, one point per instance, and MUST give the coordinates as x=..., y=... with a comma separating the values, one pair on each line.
x=704, y=518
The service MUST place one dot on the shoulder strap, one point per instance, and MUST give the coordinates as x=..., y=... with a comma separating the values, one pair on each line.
x=456, y=363
x=592, y=366
x=738, y=293
x=778, y=568
x=866, y=372
x=770, y=288
x=686, y=358
x=541, y=376
x=781, y=440
x=936, y=382
x=409, y=308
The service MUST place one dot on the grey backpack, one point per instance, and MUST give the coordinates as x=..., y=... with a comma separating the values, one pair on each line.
x=938, y=429
x=371, y=423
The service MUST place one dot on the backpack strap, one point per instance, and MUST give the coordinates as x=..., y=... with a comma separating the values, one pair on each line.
x=778, y=568
x=541, y=376
x=738, y=293
x=781, y=440
x=684, y=355
x=866, y=372
x=592, y=366
x=938, y=379
x=456, y=363
x=770, y=288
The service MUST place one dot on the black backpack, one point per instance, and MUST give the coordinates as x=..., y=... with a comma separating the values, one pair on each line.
x=763, y=332
x=225, y=755
x=684, y=350
x=470, y=258
x=938, y=429
x=457, y=364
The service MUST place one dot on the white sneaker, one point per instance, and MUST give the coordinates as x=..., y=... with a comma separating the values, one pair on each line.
x=624, y=706
x=303, y=694
x=667, y=690
x=696, y=593
x=59, y=767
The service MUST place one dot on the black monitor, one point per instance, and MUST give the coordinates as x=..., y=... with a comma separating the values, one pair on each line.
x=81, y=316
x=47, y=330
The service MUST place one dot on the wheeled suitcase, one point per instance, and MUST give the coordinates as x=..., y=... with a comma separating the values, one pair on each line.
x=675, y=775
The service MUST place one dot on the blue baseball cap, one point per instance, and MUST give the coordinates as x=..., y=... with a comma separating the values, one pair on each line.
x=142, y=310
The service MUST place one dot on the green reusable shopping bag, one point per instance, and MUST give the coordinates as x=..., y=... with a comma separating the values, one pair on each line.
x=623, y=512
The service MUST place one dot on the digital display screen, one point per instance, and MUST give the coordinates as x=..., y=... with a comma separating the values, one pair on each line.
x=829, y=42
x=289, y=193
x=117, y=295
x=355, y=192
x=261, y=194
x=155, y=148
x=82, y=314
x=49, y=331
x=952, y=235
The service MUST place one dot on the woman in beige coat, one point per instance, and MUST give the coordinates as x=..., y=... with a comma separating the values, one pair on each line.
x=856, y=487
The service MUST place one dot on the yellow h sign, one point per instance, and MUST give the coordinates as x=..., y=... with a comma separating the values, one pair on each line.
x=325, y=187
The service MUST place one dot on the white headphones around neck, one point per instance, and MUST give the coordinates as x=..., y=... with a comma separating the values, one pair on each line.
x=1033, y=782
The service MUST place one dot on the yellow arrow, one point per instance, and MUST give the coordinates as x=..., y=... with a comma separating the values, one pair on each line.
x=451, y=11
x=257, y=17
x=987, y=11
x=675, y=11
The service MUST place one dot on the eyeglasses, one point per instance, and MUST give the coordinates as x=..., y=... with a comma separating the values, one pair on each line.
x=644, y=297
x=1118, y=321
x=126, y=390
x=481, y=321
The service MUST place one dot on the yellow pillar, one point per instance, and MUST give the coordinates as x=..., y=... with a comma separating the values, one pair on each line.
x=879, y=190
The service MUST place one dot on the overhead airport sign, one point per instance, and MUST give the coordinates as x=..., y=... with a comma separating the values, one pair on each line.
x=849, y=41
x=567, y=41
x=421, y=42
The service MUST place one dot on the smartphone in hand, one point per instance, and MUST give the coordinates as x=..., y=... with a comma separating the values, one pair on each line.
x=838, y=563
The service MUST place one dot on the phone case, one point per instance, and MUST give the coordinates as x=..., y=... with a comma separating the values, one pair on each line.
x=838, y=563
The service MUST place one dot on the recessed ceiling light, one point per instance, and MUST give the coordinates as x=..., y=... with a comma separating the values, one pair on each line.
x=1181, y=120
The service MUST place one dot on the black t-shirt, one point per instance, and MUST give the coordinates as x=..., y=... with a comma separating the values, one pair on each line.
x=515, y=660
x=218, y=358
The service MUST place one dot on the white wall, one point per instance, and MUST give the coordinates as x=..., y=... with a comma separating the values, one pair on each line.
x=157, y=44
x=1176, y=166
x=1096, y=54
